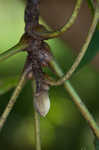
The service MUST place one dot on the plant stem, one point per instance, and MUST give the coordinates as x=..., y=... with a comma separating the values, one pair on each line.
x=81, y=53
x=91, y=6
x=36, y=122
x=12, y=51
x=76, y=99
x=54, y=34
x=37, y=130
x=12, y=101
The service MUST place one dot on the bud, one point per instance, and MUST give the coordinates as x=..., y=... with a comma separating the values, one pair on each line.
x=42, y=103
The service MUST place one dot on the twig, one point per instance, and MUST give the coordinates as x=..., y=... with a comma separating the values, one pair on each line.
x=91, y=6
x=36, y=123
x=82, y=52
x=75, y=97
x=12, y=101
x=12, y=51
x=37, y=130
x=57, y=33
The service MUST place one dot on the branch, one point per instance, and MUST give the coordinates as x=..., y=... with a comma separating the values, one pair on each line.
x=36, y=123
x=91, y=6
x=12, y=101
x=57, y=33
x=37, y=130
x=82, y=52
x=23, y=43
x=76, y=99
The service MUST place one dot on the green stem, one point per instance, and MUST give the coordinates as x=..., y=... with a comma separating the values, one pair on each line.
x=12, y=51
x=82, y=52
x=37, y=130
x=12, y=101
x=64, y=28
x=36, y=122
x=76, y=99
x=91, y=6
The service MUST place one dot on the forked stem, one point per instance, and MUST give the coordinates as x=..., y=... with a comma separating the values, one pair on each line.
x=76, y=99
x=82, y=52
x=57, y=33
x=12, y=101
x=36, y=122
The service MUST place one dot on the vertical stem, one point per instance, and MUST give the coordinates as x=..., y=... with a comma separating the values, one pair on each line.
x=37, y=130
x=76, y=99
x=31, y=17
x=36, y=122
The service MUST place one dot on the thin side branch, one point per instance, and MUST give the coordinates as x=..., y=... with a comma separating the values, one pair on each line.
x=12, y=51
x=57, y=33
x=91, y=6
x=76, y=99
x=82, y=52
x=12, y=101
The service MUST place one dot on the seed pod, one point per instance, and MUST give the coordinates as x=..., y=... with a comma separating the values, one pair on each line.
x=42, y=103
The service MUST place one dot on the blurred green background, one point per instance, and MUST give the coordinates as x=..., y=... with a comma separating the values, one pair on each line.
x=63, y=127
